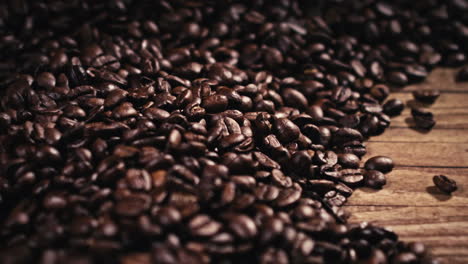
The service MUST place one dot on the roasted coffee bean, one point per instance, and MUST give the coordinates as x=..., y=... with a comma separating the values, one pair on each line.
x=393, y=107
x=380, y=92
x=426, y=96
x=215, y=103
x=445, y=184
x=462, y=75
x=287, y=131
x=397, y=78
x=46, y=80
x=374, y=179
x=202, y=225
x=243, y=226
x=380, y=163
x=423, y=118
x=348, y=160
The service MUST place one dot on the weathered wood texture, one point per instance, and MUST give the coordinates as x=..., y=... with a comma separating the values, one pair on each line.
x=409, y=203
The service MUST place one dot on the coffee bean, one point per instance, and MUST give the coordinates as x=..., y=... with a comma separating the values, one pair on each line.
x=426, y=96
x=287, y=131
x=380, y=92
x=393, y=107
x=294, y=98
x=374, y=179
x=243, y=226
x=462, y=75
x=54, y=201
x=380, y=163
x=423, y=118
x=46, y=80
x=215, y=103
x=348, y=160
x=132, y=205
x=202, y=225
x=397, y=78
x=445, y=184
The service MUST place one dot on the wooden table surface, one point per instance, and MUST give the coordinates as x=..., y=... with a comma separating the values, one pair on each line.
x=409, y=204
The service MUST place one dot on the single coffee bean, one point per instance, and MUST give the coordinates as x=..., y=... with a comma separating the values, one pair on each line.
x=423, y=118
x=46, y=80
x=445, y=184
x=287, y=131
x=426, y=96
x=397, y=78
x=393, y=107
x=374, y=179
x=380, y=92
x=348, y=160
x=380, y=163
x=462, y=75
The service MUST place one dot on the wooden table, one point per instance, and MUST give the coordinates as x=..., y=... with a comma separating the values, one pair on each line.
x=409, y=204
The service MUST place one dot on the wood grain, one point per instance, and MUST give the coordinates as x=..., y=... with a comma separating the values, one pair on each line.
x=410, y=204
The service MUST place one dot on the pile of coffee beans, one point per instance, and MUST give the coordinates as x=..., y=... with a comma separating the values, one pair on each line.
x=191, y=131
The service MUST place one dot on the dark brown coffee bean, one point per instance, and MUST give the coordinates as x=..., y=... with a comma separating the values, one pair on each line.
x=445, y=184
x=114, y=97
x=462, y=75
x=167, y=216
x=422, y=118
x=287, y=131
x=46, y=80
x=348, y=160
x=374, y=179
x=124, y=110
x=380, y=163
x=294, y=98
x=132, y=205
x=288, y=196
x=426, y=96
x=215, y=103
x=397, y=78
x=203, y=225
x=393, y=107
x=273, y=255
x=380, y=92
x=243, y=226
x=54, y=201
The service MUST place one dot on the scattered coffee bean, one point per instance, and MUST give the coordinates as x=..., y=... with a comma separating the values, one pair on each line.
x=426, y=96
x=462, y=75
x=380, y=163
x=374, y=179
x=445, y=184
x=423, y=118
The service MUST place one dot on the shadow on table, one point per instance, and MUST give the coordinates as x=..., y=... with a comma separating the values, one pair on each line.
x=432, y=190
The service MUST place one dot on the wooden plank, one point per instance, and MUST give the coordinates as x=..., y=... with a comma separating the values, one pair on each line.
x=390, y=214
x=446, y=100
x=410, y=204
x=437, y=135
x=442, y=79
x=446, y=118
x=421, y=154
x=412, y=187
